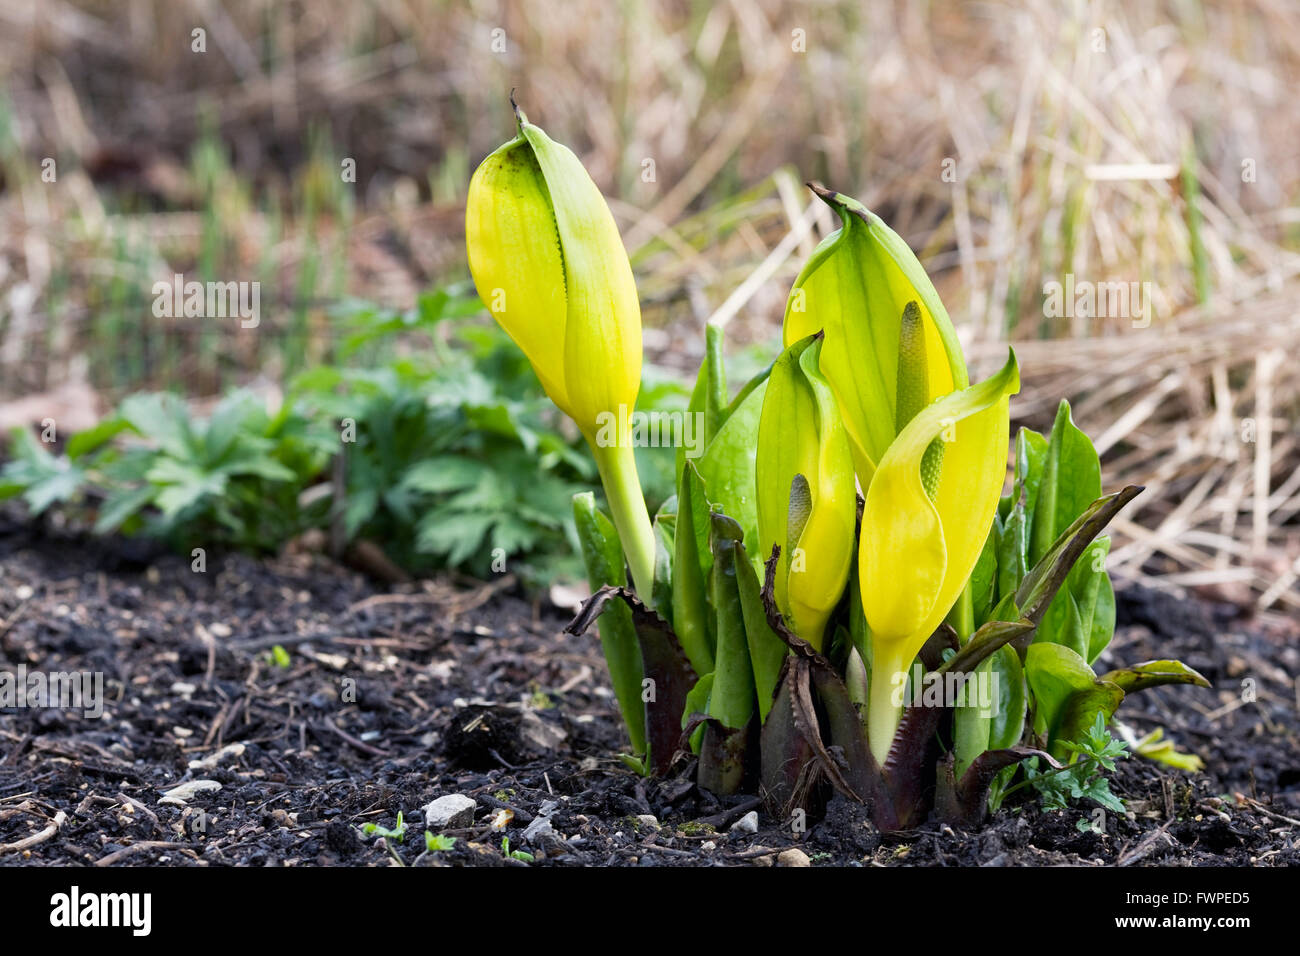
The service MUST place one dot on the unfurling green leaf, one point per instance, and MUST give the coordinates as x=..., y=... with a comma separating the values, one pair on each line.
x=604, y=561
x=1068, y=695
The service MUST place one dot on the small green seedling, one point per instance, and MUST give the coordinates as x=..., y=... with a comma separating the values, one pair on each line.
x=398, y=832
x=436, y=842
x=279, y=656
x=521, y=855
x=1083, y=777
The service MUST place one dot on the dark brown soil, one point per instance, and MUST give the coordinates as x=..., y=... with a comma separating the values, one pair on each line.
x=466, y=688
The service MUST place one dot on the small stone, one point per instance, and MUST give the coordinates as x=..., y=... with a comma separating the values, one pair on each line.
x=648, y=820
x=793, y=857
x=746, y=824
x=228, y=752
x=187, y=791
x=452, y=812
x=708, y=845
x=538, y=830
x=764, y=858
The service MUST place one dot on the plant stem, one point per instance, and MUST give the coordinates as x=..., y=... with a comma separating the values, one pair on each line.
x=617, y=466
x=883, y=714
x=962, y=615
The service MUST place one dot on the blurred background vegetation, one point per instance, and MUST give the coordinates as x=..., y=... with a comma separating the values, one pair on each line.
x=1011, y=144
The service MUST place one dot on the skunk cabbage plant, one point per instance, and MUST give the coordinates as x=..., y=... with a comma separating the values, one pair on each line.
x=549, y=264
x=840, y=597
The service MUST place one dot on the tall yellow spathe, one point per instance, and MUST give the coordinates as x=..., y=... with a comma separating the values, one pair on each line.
x=806, y=498
x=917, y=548
x=548, y=262
x=854, y=290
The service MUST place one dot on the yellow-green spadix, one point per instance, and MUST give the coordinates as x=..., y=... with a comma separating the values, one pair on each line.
x=548, y=262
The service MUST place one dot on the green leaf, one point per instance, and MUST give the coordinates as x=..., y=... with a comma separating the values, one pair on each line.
x=397, y=833
x=1093, y=753
x=602, y=554
x=1067, y=694
x=1031, y=452
x=665, y=527
x=697, y=699
x=1071, y=481
x=1062, y=624
x=984, y=642
x=92, y=439
x=1089, y=585
x=1008, y=722
x=457, y=535
x=437, y=843
x=182, y=485
x=511, y=534
x=971, y=724
x=362, y=504
x=715, y=374
x=1011, y=549
x=691, y=617
x=1046, y=577
x=748, y=389
x=1138, y=677
x=728, y=466
x=1082, y=615
x=444, y=474
x=984, y=578
x=121, y=505
x=1102, y=627
x=63, y=485
x=42, y=478
x=732, y=699
x=767, y=652
x=162, y=419
x=266, y=468
x=238, y=411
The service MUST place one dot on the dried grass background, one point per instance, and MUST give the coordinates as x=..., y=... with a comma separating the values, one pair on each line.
x=1115, y=141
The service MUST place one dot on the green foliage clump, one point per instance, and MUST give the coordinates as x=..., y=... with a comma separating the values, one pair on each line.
x=452, y=456
x=1084, y=777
